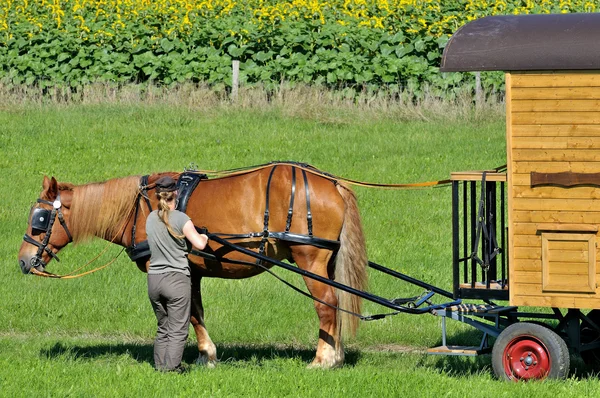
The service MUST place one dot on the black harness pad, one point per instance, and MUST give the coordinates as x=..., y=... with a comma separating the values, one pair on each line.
x=186, y=184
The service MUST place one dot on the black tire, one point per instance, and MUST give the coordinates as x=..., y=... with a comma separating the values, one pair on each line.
x=526, y=351
x=589, y=335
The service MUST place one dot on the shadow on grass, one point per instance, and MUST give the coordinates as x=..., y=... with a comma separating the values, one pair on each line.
x=143, y=353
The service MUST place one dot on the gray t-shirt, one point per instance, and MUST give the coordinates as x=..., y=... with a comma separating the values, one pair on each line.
x=167, y=253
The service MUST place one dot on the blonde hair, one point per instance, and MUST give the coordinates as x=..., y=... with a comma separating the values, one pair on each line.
x=163, y=211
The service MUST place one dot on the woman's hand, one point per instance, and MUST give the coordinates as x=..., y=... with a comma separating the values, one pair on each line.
x=199, y=241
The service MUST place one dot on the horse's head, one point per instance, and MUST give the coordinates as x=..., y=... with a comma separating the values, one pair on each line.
x=48, y=230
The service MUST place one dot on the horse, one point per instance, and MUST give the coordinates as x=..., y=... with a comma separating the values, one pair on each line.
x=263, y=199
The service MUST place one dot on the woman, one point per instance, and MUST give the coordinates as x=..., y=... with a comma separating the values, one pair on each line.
x=169, y=286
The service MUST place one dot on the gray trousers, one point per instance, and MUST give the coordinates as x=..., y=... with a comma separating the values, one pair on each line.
x=170, y=295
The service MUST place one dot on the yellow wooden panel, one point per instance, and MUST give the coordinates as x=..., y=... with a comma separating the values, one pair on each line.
x=552, y=117
x=559, y=79
x=569, y=269
x=589, y=130
x=555, y=204
x=521, y=179
x=528, y=277
x=527, y=265
x=556, y=105
x=556, y=142
x=551, y=192
x=555, y=93
x=519, y=228
x=564, y=217
x=547, y=301
x=568, y=245
x=556, y=155
x=527, y=289
x=567, y=256
x=527, y=241
x=578, y=166
x=527, y=252
x=535, y=289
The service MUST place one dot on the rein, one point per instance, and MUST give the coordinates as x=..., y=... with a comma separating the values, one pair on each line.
x=313, y=170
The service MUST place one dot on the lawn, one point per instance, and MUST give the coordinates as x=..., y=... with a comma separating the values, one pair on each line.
x=93, y=336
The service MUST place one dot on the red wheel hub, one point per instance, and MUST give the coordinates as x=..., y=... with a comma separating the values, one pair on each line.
x=525, y=358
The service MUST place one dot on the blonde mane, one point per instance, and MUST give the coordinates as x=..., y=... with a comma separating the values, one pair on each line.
x=101, y=209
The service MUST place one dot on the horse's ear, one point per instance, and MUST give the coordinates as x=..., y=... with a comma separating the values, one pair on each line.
x=46, y=183
x=50, y=186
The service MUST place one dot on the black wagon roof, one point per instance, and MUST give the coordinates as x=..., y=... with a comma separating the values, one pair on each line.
x=525, y=42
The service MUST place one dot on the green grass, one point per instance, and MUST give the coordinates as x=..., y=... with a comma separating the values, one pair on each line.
x=93, y=335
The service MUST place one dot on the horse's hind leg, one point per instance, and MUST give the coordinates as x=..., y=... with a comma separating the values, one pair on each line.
x=330, y=352
x=208, y=350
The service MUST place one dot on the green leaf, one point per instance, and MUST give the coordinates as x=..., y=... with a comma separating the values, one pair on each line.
x=62, y=56
x=166, y=45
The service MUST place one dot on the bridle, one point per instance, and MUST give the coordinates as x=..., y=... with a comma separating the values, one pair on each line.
x=42, y=221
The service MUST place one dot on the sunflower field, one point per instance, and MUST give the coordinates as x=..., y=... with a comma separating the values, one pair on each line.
x=333, y=43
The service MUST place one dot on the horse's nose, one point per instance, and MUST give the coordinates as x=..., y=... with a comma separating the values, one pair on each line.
x=24, y=267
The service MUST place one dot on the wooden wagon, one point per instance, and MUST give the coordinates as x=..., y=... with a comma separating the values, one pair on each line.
x=532, y=235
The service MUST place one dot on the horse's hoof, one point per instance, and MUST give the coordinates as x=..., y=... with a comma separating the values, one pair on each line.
x=324, y=365
x=204, y=361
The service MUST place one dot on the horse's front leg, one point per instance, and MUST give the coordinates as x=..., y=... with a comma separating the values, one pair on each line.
x=208, y=350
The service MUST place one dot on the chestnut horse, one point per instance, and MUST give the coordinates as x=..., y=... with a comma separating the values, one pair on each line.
x=232, y=204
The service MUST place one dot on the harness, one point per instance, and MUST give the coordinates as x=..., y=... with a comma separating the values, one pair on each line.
x=42, y=221
x=492, y=248
x=286, y=235
x=188, y=182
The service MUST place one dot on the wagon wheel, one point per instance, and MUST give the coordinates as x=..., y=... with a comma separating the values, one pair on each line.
x=589, y=335
x=526, y=351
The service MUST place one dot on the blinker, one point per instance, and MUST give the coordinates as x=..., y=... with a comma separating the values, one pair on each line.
x=40, y=219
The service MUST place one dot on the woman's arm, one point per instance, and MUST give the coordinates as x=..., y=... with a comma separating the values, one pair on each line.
x=197, y=240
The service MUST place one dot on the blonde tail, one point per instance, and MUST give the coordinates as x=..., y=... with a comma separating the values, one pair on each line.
x=350, y=263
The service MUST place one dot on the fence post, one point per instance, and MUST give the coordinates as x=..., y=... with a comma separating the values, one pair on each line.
x=235, y=79
x=478, y=91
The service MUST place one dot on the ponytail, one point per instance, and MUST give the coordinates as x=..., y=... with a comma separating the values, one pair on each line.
x=163, y=211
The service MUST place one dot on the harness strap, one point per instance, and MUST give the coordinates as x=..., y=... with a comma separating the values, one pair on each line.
x=288, y=222
x=61, y=219
x=488, y=236
x=34, y=242
x=144, y=191
x=308, y=212
x=139, y=250
x=141, y=193
x=265, y=236
x=285, y=236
